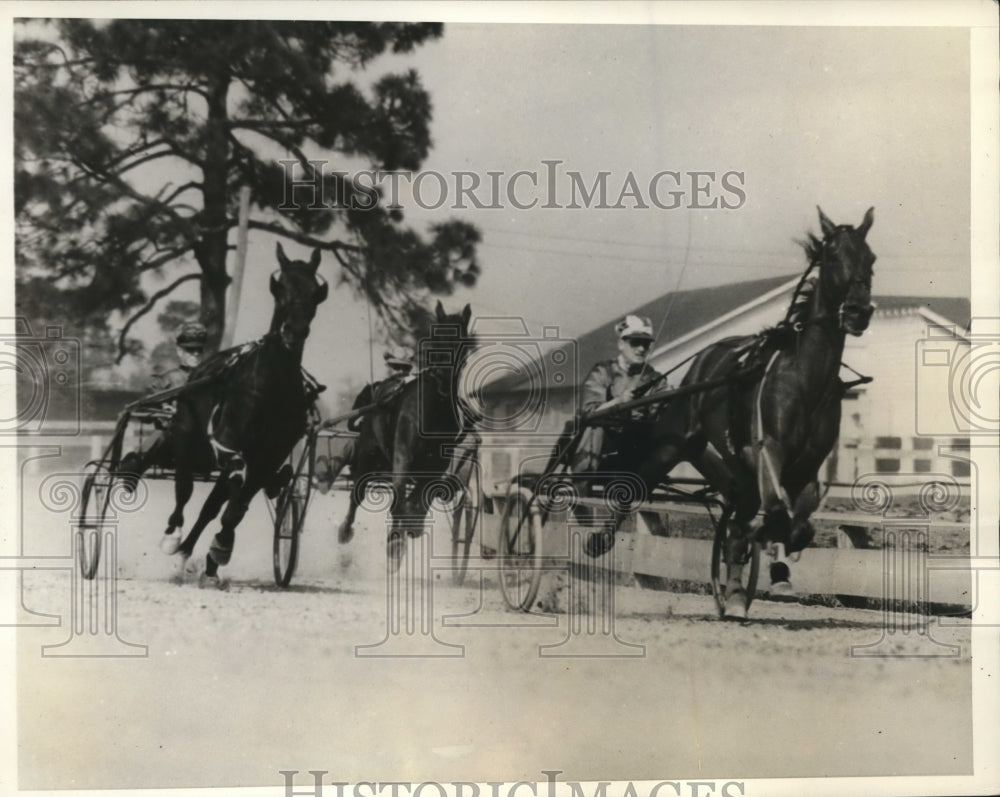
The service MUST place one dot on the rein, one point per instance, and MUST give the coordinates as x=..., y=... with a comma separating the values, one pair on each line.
x=441, y=385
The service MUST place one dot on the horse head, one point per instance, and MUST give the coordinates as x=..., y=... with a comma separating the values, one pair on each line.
x=449, y=332
x=298, y=290
x=845, y=272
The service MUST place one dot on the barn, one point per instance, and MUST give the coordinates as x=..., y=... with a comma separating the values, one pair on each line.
x=902, y=423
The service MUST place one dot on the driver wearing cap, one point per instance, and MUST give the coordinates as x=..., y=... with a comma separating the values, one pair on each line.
x=615, y=382
x=190, y=347
x=190, y=343
x=399, y=363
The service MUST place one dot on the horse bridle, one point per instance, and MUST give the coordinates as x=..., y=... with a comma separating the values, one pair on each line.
x=817, y=263
x=275, y=280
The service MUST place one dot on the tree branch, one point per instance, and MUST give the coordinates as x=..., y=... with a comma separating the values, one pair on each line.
x=176, y=87
x=146, y=308
x=165, y=258
x=150, y=202
x=259, y=125
x=307, y=240
x=181, y=189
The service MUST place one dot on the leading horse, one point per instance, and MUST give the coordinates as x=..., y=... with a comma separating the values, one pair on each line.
x=409, y=440
x=761, y=440
x=249, y=416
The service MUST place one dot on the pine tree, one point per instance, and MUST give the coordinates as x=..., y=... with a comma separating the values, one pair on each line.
x=134, y=137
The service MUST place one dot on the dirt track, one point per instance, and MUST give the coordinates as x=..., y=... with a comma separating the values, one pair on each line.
x=240, y=684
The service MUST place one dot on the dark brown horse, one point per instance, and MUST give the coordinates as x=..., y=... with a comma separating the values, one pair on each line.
x=760, y=441
x=250, y=414
x=408, y=441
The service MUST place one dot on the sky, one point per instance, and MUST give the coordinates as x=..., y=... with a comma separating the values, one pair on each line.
x=841, y=117
x=844, y=118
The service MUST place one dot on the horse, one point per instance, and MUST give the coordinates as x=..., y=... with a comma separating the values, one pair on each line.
x=409, y=439
x=760, y=440
x=248, y=416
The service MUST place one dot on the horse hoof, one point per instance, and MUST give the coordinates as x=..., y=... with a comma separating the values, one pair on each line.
x=170, y=543
x=184, y=568
x=205, y=581
x=218, y=554
x=736, y=605
x=213, y=582
x=779, y=571
x=782, y=588
x=345, y=533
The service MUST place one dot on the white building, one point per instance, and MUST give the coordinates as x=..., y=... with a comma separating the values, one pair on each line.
x=902, y=423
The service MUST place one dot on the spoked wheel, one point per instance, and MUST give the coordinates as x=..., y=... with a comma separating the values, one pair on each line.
x=464, y=520
x=94, y=501
x=290, y=514
x=720, y=571
x=520, y=554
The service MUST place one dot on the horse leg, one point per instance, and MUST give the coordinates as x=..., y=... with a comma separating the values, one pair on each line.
x=136, y=463
x=780, y=512
x=209, y=511
x=183, y=488
x=796, y=533
x=395, y=545
x=665, y=457
x=737, y=484
x=345, y=532
x=240, y=494
x=802, y=531
x=182, y=438
x=363, y=463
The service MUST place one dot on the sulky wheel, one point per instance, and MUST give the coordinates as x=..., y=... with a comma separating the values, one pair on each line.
x=464, y=520
x=94, y=500
x=720, y=570
x=290, y=513
x=520, y=550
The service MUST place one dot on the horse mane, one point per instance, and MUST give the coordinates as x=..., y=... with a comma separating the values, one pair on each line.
x=783, y=334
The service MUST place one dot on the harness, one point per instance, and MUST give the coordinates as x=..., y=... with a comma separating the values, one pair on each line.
x=764, y=460
x=230, y=458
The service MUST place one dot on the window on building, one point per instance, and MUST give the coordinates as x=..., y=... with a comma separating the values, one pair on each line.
x=887, y=466
x=960, y=468
x=960, y=442
x=921, y=466
x=888, y=442
x=923, y=443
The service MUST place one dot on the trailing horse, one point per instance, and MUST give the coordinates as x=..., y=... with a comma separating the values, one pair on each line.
x=761, y=440
x=409, y=439
x=249, y=416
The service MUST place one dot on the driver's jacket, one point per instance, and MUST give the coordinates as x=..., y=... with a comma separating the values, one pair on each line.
x=608, y=380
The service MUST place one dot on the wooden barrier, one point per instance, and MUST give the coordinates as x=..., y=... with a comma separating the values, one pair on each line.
x=903, y=572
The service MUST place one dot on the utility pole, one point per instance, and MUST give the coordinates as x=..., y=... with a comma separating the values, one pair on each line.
x=236, y=286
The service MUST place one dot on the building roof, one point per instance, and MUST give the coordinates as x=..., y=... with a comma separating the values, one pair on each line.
x=688, y=311
x=952, y=309
x=685, y=311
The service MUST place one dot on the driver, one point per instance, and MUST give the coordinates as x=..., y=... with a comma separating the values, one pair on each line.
x=399, y=364
x=614, y=382
x=190, y=347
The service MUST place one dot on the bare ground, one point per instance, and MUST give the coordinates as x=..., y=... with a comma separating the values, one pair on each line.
x=242, y=683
